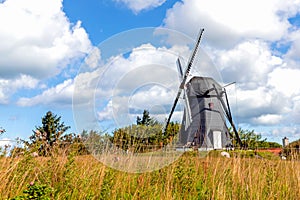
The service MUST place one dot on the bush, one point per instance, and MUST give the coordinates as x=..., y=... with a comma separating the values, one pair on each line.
x=36, y=191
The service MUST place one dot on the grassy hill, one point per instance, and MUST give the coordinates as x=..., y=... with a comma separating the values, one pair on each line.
x=189, y=177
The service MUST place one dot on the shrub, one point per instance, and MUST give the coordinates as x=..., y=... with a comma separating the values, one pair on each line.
x=35, y=191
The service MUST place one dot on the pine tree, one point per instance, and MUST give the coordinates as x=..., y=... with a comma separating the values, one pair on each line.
x=146, y=119
x=47, y=136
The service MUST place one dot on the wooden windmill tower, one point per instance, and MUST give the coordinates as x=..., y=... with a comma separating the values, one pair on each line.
x=206, y=109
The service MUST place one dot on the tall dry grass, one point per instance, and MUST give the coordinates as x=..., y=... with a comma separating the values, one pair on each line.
x=189, y=177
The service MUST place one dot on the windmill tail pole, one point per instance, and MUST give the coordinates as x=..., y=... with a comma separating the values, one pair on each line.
x=231, y=120
x=236, y=134
x=228, y=114
x=186, y=73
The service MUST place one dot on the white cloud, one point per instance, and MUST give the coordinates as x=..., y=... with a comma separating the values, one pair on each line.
x=37, y=39
x=286, y=81
x=60, y=95
x=10, y=86
x=106, y=113
x=293, y=117
x=261, y=106
x=138, y=5
x=93, y=60
x=268, y=119
x=154, y=96
x=294, y=51
x=291, y=132
x=272, y=104
x=146, y=79
x=145, y=65
x=155, y=101
x=248, y=63
x=228, y=22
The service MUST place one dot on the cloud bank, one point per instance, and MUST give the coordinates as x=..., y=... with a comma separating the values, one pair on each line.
x=37, y=41
x=254, y=43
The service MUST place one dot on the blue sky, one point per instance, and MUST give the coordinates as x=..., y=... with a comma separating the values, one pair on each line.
x=43, y=45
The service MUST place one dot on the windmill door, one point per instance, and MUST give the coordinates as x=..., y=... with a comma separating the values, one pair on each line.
x=217, y=139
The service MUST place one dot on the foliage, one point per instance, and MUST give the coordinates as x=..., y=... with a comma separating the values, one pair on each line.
x=59, y=142
x=48, y=136
x=295, y=144
x=73, y=143
x=292, y=151
x=136, y=137
x=145, y=135
x=252, y=140
x=94, y=141
x=35, y=191
x=146, y=119
x=140, y=138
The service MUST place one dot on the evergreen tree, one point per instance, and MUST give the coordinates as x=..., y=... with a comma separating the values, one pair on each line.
x=47, y=136
x=146, y=119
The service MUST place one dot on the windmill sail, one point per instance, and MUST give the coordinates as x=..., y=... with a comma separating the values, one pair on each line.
x=187, y=109
x=185, y=75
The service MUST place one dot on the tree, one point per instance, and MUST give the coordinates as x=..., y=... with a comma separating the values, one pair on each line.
x=253, y=140
x=146, y=119
x=144, y=136
x=2, y=130
x=48, y=136
x=94, y=142
x=292, y=150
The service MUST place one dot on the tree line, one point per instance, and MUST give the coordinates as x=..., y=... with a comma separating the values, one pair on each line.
x=52, y=137
x=146, y=135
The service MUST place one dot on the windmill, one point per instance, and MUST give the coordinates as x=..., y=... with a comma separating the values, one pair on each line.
x=206, y=108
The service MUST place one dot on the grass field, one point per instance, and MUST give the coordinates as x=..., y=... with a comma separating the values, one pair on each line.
x=189, y=177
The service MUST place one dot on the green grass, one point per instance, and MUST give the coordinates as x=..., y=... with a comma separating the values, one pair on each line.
x=192, y=176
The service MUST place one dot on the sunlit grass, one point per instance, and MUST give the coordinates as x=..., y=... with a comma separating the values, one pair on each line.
x=190, y=177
